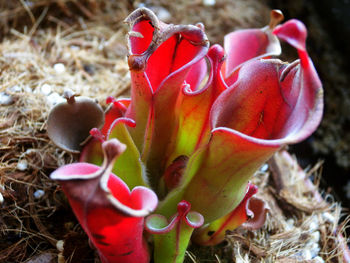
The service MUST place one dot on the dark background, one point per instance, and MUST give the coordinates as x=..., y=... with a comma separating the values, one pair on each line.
x=328, y=23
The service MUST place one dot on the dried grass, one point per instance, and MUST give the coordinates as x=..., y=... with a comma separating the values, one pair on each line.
x=87, y=38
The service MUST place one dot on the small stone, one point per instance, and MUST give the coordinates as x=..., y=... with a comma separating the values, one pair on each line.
x=314, y=224
x=314, y=250
x=30, y=151
x=14, y=88
x=42, y=258
x=28, y=89
x=315, y=236
x=328, y=217
x=289, y=224
x=318, y=259
x=38, y=194
x=60, y=245
x=74, y=47
x=55, y=98
x=163, y=14
x=306, y=254
x=67, y=55
x=46, y=89
x=264, y=167
x=22, y=165
x=1, y=198
x=240, y=259
x=209, y=2
x=59, y=68
x=5, y=99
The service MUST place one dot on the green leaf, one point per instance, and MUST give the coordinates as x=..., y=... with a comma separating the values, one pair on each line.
x=128, y=166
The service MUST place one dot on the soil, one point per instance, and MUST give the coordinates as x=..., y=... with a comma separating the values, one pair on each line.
x=48, y=45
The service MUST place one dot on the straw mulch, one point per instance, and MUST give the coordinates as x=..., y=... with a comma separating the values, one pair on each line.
x=49, y=45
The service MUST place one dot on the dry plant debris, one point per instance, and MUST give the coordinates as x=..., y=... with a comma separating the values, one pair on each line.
x=81, y=45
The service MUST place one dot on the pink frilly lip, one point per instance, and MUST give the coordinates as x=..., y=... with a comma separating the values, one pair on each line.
x=109, y=212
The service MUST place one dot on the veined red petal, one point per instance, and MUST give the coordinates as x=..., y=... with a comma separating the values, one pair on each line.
x=194, y=108
x=158, y=72
x=256, y=105
x=225, y=166
x=110, y=214
x=271, y=104
x=272, y=100
x=197, y=75
x=246, y=44
x=112, y=113
x=309, y=103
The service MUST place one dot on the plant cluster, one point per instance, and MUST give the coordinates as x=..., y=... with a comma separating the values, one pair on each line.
x=173, y=162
